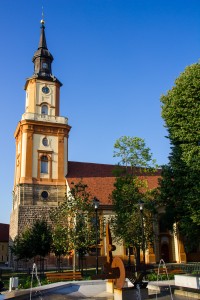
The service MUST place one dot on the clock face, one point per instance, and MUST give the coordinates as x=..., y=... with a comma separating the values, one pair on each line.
x=45, y=89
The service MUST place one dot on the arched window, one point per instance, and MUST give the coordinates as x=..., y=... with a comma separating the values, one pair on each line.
x=44, y=109
x=44, y=164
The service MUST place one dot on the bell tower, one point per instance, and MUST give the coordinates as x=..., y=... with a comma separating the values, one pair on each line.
x=41, y=145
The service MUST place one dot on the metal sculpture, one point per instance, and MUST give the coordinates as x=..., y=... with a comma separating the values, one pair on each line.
x=114, y=268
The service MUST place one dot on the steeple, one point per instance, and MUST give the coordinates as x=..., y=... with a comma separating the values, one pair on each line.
x=42, y=58
x=42, y=43
x=41, y=136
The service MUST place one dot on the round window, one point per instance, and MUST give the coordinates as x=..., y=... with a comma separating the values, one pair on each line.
x=44, y=195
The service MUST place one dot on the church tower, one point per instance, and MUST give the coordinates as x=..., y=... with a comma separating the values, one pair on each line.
x=41, y=145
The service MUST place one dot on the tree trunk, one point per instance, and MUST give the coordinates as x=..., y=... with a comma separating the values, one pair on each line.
x=58, y=263
x=137, y=259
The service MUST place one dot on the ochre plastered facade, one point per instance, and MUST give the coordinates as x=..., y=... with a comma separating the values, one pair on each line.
x=41, y=146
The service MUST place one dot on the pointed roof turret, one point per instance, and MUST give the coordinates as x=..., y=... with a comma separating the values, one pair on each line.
x=42, y=58
x=42, y=42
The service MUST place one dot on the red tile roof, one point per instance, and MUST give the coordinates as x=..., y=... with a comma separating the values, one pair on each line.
x=100, y=179
x=4, y=232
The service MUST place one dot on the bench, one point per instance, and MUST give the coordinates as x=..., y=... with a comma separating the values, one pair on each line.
x=63, y=276
x=176, y=271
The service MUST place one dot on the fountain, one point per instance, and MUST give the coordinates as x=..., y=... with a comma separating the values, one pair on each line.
x=162, y=266
x=34, y=272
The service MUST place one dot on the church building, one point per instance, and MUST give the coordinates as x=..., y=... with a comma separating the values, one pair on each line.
x=42, y=170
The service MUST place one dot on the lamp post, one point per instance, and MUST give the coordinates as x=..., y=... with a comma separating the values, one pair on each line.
x=141, y=206
x=96, y=206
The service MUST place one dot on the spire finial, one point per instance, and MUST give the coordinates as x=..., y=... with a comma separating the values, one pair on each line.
x=42, y=21
x=42, y=58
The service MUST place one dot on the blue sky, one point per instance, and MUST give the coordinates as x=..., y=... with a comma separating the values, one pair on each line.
x=115, y=59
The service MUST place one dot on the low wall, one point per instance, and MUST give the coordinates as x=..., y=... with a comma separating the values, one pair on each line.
x=188, y=281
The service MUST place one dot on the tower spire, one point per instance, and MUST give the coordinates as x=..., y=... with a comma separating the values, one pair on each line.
x=42, y=58
x=42, y=42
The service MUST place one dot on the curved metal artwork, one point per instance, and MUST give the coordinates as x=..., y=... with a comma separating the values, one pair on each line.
x=114, y=269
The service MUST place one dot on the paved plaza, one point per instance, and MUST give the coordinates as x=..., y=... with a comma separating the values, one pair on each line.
x=80, y=291
x=89, y=290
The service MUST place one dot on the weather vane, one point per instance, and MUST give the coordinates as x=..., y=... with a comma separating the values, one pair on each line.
x=42, y=21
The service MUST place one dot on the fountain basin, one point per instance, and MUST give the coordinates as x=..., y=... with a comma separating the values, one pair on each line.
x=188, y=281
x=129, y=293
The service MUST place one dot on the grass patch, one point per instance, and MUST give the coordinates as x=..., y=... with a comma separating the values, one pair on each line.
x=154, y=277
x=25, y=279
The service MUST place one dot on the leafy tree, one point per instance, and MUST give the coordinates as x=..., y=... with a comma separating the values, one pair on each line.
x=181, y=112
x=42, y=238
x=133, y=152
x=60, y=232
x=60, y=244
x=76, y=214
x=130, y=190
x=33, y=241
x=180, y=185
x=179, y=193
x=22, y=246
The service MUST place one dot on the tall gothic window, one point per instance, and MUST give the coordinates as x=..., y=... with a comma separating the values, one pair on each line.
x=44, y=164
x=44, y=109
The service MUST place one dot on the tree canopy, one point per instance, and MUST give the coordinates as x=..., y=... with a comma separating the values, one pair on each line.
x=126, y=197
x=33, y=241
x=133, y=152
x=180, y=185
x=181, y=112
x=129, y=190
x=75, y=215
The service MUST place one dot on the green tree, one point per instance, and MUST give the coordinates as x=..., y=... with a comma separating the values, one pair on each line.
x=180, y=185
x=129, y=189
x=133, y=152
x=42, y=238
x=33, y=241
x=23, y=245
x=60, y=244
x=76, y=214
x=181, y=112
x=60, y=232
